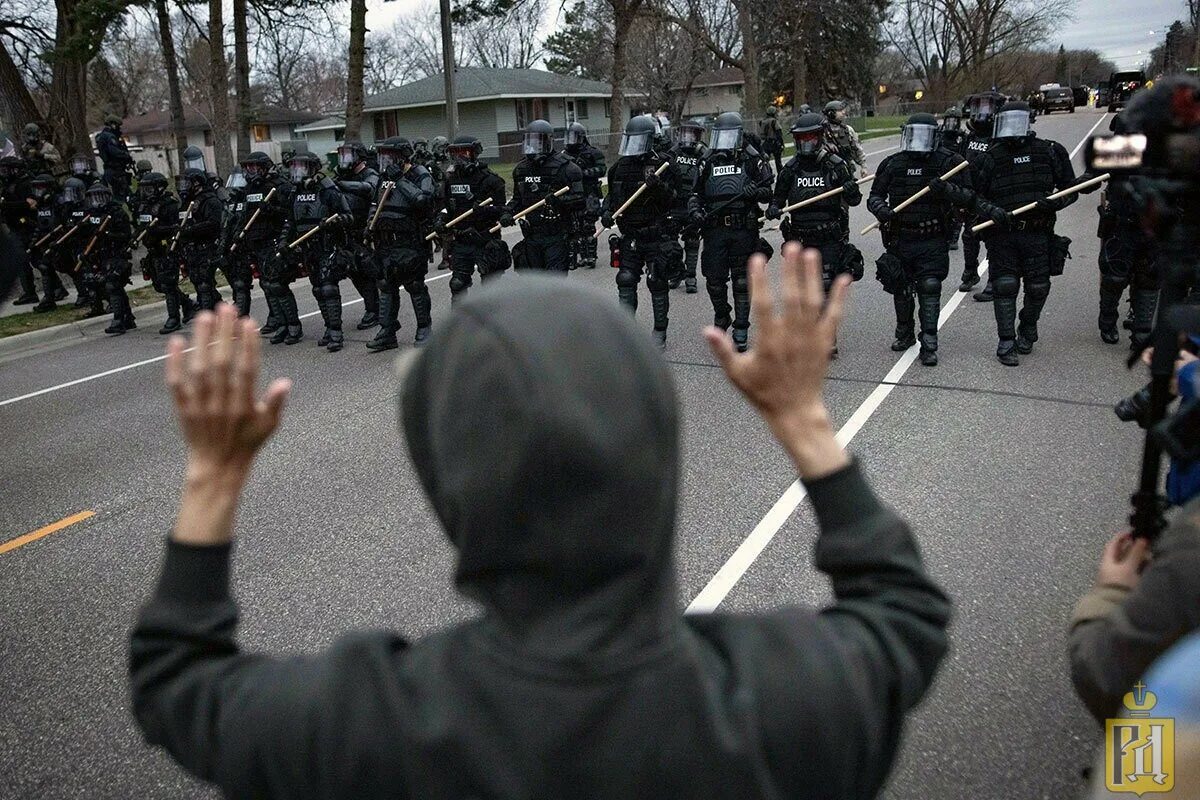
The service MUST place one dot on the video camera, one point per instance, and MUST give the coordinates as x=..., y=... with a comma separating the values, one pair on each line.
x=1153, y=155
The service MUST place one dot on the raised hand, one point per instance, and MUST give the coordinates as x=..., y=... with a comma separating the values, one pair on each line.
x=783, y=374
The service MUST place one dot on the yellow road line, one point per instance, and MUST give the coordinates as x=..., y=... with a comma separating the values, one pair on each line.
x=33, y=536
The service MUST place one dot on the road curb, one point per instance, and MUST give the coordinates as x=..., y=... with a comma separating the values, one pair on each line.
x=77, y=330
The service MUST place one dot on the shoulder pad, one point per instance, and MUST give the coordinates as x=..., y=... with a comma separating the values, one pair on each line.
x=327, y=182
x=833, y=158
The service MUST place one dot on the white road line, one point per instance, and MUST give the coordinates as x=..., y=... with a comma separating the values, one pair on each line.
x=749, y=550
x=154, y=360
x=877, y=152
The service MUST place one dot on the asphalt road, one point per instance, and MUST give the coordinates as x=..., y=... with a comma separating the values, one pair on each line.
x=1012, y=478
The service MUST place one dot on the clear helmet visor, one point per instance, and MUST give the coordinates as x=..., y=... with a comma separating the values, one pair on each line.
x=726, y=138
x=42, y=190
x=71, y=194
x=388, y=159
x=807, y=143
x=461, y=154
x=252, y=171
x=634, y=144
x=148, y=190
x=195, y=162
x=918, y=138
x=184, y=185
x=951, y=123
x=982, y=108
x=236, y=180
x=98, y=199
x=688, y=136
x=1011, y=124
x=574, y=137
x=535, y=144
x=346, y=157
x=79, y=165
x=300, y=171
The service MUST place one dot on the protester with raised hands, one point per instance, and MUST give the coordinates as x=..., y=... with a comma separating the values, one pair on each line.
x=580, y=677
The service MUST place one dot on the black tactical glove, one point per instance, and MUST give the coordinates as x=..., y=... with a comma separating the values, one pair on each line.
x=937, y=187
x=653, y=181
x=884, y=214
x=506, y=220
x=1047, y=206
x=1092, y=188
x=439, y=223
x=607, y=220
x=773, y=211
x=1000, y=217
x=751, y=191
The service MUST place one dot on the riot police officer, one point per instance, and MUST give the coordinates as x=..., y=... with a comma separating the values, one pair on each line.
x=199, y=234
x=72, y=210
x=436, y=162
x=954, y=138
x=114, y=154
x=732, y=182
x=236, y=269
x=645, y=244
x=41, y=157
x=18, y=211
x=590, y=161
x=268, y=202
x=812, y=171
x=107, y=266
x=842, y=138
x=318, y=204
x=46, y=228
x=538, y=175
x=83, y=168
x=1020, y=169
x=981, y=111
x=689, y=153
x=917, y=257
x=404, y=209
x=359, y=182
x=469, y=182
x=771, y=134
x=156, y=217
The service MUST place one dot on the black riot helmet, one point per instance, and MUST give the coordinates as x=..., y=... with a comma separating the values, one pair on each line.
x=805, y=108
x=690, y=133
x=919, y=134
x=191, y=182
x=727, y=132
x=952, y=119
x=81, y=164
x=638, y=138
x=256, y=166
x=807, y=132
x=538, y=141
x=32, y=134
x=350, y=154
x=420, y=146
x=11, y=167
x=142, y=166
x=833, y=108
x=395, y=152
x=1012, y=120
x=152, y=185
x=464, y=151
x=576, y=137
x=98, y=195
x=303, y=167
x=43, y=185
x=193, y=158
x=981, y=112
x=72, y=191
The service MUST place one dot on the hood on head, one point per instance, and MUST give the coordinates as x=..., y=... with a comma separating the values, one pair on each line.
x=544, y=427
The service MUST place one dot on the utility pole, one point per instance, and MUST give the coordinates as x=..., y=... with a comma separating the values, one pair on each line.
x=448, y=71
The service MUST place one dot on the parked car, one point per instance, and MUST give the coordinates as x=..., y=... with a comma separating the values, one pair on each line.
x=1122, y=85
x=1082, y=95
x=1060, y=99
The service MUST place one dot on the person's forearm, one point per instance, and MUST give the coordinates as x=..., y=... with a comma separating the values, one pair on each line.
x=809, y=440
x=210, y=498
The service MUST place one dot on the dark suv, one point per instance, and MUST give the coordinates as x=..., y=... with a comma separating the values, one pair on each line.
x=1121, y=86
x=1060, y=99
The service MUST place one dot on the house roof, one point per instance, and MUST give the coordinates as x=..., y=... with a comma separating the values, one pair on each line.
x=323, y=124
x=725, y=76
x=196, y=120
x=480, y=83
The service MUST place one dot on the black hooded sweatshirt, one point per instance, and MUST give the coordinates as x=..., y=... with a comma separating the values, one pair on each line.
x=581, y=679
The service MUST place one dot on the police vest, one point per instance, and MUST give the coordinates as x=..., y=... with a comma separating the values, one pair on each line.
x=359, y=190
x=975, y=148
x=1023, y=171
x=627, y=176
x=466, y=189
x=45, y=219
x=398, y=206
x=809, y=178
x=911, y=173
x=725, y=180
x=307, y=208
x=267, y=225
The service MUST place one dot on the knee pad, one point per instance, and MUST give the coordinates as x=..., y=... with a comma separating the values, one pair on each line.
x=330, y=291
x=459, y=282
x=929, y=285
x=1112, y=283
x=1037, y=288
x=1006, y=286
x=627, y=277
x=657, y=285
x=415, y=287
x=741, y=284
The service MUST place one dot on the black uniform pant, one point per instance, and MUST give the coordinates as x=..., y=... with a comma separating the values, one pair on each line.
x=362, y=274
x=471, y=249
x=25, y=273
x=402, y=261
x=162, y=268
x=655, y=255
x=926, y=262
x=1127, y=261
x=1016, y=257
x=544, y=250
x=117, y=180
x=275, y=278
x=109, y=274
x=201, y=265
x=726, y=252
x=239, y=271
x=583, y=237
x=970, y=246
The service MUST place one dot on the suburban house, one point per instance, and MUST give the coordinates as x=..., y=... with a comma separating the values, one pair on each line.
x=493, y=104
x=712, y=93
x=149, y=135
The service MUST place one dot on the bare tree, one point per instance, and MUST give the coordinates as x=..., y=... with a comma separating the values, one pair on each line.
x=509, y=42
x=354, y=78
x=219, y=74
x=241, y=77
x=166, y=40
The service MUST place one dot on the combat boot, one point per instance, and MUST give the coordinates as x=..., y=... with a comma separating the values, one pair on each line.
x=336, y=341
x=188, y=307
x=1142, y=304
x=47, y=304
x=115, y=328
x=293, y=334
x=1006, y=352
x=385, y=339
x=928, y=357
x=968, y=282
x=422, y=335
x=280, y=334
x=741, y=339
x=660, y=339
x=369, y=320
x=689, y=285
x=985, y=295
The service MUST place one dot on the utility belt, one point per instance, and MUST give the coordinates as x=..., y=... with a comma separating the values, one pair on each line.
x=397, y=230
x=925, y=229
x=649, y=235
x=813, y=234
x=1033, y=225
x=739, y=220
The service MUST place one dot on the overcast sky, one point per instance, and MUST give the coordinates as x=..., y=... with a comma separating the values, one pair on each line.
x=1117, y=28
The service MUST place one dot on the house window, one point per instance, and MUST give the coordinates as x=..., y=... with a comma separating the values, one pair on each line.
x=386, y=125
x=581, y=109
x=339, y=134
x=260, y=133
x=529, y=110
x=208, y=138
x=608, y=108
